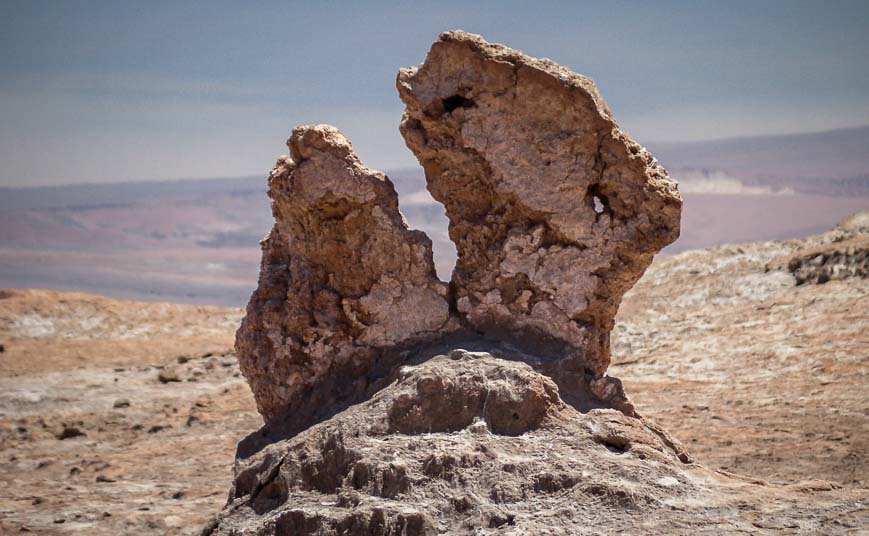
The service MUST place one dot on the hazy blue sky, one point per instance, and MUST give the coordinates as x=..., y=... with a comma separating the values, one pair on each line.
x=119, y=91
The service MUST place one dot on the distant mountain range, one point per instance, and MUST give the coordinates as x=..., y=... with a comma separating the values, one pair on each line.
x=125, y=193
x=835, y=162
x=196, y=241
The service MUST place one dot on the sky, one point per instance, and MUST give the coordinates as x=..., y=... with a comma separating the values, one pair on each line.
x=95, y=91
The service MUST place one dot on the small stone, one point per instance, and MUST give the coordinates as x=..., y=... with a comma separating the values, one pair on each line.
x=121, y=403
x=479, y=426
x=667, y=481
x=167, y=376
x=69, y=432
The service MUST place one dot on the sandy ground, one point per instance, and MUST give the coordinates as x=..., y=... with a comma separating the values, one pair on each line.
x=754, y=374
x=116, y=417
x=121, y=417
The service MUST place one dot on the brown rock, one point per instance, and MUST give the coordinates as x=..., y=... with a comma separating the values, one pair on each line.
x=168, y=376
x=68, y=432
x=342, y=278
x=555, y=212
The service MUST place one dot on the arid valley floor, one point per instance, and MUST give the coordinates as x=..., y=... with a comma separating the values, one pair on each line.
x=122, y=417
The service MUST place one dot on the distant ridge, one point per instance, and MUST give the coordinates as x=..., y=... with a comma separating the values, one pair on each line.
x=93, y=195
x=841, y=154
x=806, y=162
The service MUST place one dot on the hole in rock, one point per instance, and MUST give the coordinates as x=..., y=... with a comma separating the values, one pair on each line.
x=598, y=205
x=614, y=443
x=457, y=101
x=598, y=201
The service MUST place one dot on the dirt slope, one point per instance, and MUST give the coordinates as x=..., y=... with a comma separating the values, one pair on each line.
x=44, y=330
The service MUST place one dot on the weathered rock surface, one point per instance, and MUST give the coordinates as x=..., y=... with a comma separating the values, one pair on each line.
x=847, y=255
x=447, y=449
x=466, y=443
x=839, y=260
x=342, y=277
x=554, y=211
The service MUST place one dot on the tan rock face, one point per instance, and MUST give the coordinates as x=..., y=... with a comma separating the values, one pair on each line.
x=342, y=277
x=554, y=211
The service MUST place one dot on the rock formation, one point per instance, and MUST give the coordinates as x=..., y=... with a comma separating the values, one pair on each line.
x=342, y=277
x=554, y=211
x=465, y=443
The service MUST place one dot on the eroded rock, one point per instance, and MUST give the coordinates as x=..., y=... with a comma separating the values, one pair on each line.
x=844, y=256
x=555, y=212
x=839, y=260
x=342, y=277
